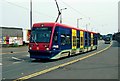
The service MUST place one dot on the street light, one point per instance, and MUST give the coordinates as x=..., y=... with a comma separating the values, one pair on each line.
x=78, y=22
x=92, y=29
x=61, y=14
x=86, y=26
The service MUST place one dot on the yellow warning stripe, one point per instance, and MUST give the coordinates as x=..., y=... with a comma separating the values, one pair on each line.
x=58, y=66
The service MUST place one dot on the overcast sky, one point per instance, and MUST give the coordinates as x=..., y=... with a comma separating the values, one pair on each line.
x=99, y=15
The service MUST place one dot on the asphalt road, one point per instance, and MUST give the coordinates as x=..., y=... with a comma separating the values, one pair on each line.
x=101, y=66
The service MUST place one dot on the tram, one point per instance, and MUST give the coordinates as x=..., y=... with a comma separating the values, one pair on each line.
x=51, y=40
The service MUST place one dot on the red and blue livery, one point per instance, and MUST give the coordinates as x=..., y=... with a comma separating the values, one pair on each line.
x=54, y=40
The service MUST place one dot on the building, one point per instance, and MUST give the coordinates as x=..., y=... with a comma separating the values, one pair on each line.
x=11, y=36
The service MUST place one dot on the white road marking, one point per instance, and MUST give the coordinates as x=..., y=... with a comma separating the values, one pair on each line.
x=0, y=64
x=3, y=78
x=16, y=58
x=27, y=55
x=16, y=62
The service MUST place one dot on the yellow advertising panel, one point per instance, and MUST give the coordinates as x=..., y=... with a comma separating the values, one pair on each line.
x=81, y=39
x=74, y=41
x=91, y=39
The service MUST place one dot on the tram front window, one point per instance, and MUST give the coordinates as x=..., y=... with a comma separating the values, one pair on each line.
x=41, y=34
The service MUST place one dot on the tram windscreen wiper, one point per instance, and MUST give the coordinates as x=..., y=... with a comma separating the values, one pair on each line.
x=34, y=40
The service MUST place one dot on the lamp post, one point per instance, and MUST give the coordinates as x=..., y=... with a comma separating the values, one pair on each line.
x=31, y=14
x=91, y=29
x=78, y=22
x=86, y=26
x=61, y=14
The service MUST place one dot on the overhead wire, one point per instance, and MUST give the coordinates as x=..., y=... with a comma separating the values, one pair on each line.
x=77, y=11
x=28, y=9
x=74, y=9
x=49, y=15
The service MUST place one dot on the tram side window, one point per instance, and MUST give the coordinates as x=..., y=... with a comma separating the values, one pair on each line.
x=55, y=37
x=95, y=41
x=78, y=41
x=65, y=39
x=86, y=41
x=68, y=39
x=90, y=41
x=81, y=41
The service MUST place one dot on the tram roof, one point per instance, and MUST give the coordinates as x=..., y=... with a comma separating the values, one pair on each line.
x=59, y=24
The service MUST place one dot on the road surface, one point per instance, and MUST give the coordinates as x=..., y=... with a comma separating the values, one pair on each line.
x=17, y=64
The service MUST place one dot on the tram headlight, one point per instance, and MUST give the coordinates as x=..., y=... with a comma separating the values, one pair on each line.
x=55, y=46
x=30, y=48
x=47, y=48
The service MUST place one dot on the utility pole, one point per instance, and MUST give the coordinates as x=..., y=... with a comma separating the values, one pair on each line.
x=30, y=14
